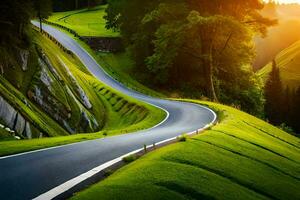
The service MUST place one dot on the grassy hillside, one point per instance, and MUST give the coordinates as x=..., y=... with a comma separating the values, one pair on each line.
x=57, y=88
x=289, y=63
x=240, y=158
x=280, y=36
x=86, y=22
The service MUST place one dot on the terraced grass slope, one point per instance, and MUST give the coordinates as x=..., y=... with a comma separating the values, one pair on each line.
x=240, y=158
x=288, y=62
x=86, y=22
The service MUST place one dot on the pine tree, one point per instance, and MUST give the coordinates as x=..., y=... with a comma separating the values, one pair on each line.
x=274, y=93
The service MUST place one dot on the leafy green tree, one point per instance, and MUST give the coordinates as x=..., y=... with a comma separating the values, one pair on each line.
x=206, y=33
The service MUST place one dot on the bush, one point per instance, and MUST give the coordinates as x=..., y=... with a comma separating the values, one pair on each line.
x=182, y=138
x=130, y=158
x=286, y=128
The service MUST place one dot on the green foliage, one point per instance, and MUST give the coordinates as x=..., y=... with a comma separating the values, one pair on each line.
x=240, y=158
x=274, y=96
x=282, y=105
x=195, y=45
x=182, y=138
x=286, y=128
x=245, y=91
x=281, y=90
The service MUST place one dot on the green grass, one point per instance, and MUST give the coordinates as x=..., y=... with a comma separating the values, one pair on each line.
x=19, y=146
x=85, y=22
x=5, y=135
x=240, y=158
x=288, y=62
x=121, y=67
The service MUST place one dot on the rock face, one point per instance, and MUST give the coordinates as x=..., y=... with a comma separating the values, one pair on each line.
x=49, y=88
x=14, y=120
x=84, y=99
x=60, y=100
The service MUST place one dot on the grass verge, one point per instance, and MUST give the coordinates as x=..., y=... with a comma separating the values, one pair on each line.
x=240, y=158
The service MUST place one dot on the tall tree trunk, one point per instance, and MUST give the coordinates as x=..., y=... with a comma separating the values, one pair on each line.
x=210, y=88
x=208, y=69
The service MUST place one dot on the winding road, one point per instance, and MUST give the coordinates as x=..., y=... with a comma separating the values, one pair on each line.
x=44, y=174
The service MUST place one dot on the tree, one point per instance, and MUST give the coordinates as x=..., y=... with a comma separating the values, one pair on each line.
x=294, y=111
x=43, y=10
x=206, y=31
x=14, y=17
x=219, y=24
x=274, y=96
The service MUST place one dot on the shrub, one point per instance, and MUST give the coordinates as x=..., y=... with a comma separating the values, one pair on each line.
x=130, y=158
x=182, y=138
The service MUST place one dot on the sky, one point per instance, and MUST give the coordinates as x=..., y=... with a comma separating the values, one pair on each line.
x=287, y=1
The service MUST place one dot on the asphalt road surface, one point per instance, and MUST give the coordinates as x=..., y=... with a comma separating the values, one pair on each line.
x=27, y=176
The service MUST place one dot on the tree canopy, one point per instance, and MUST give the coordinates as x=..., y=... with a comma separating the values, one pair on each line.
x=201, y=43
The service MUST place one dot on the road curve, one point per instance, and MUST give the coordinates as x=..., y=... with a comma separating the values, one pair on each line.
x=27, y=176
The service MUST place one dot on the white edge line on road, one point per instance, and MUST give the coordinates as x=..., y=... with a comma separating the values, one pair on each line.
x=75, y=181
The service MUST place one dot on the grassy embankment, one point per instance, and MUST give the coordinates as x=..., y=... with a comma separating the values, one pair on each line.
x=118, y=65
x=288, y=62
x=240, y=158
x=123, y=114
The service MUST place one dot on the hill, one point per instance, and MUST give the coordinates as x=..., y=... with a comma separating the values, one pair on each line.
x=288, y=62
x=280, y=36
x=45, y=91
x=86, y=22
x=240, y=158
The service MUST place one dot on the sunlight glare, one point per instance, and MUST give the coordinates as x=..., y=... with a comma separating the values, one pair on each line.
x=286, y=1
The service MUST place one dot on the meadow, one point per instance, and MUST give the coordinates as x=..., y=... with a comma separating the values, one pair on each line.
x=86, y=22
